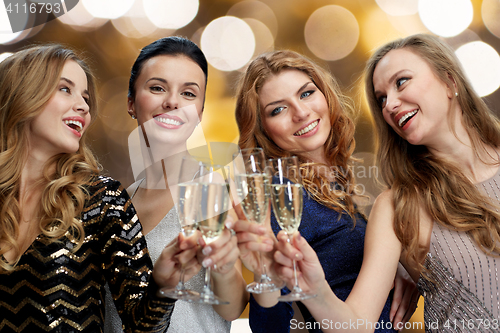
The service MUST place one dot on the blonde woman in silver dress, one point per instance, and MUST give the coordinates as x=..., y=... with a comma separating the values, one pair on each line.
x=166, y=96
x=438, y=149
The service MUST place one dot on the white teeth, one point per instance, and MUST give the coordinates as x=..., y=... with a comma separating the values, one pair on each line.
x=406, y=116
x=168, y=121
x=307, y=129
x=77, y=123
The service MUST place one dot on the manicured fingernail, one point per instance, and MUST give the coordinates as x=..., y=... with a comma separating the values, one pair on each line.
x=207, y=250
x=207, y=262
x=229, y=224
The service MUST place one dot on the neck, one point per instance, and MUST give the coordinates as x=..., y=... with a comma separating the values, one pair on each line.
x=477, y=164
x=168, y=167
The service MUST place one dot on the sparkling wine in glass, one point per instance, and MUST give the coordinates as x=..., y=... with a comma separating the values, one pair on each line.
x=188, y=196
x=252, y=187
x=213, y=209
x=287, y=198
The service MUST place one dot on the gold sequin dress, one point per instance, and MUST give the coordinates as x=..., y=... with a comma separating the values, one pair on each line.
x=57, y=290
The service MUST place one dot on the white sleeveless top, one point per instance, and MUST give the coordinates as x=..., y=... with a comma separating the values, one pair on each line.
x=186, y=317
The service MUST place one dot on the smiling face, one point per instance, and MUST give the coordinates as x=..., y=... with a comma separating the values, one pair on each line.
x=169, y=98
x=60, y=125
x=295, y=114
x=414, y=101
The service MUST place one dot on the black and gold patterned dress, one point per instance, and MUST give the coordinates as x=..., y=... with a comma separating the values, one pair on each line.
x=57, y=290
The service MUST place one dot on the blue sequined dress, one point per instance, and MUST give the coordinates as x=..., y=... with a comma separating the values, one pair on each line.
x=340, y=250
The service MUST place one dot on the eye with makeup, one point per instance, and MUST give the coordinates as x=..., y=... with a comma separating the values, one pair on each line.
x=156, y=89
x=401, y=81
x=188, y=94
x=276, y=111
x=381, y=101
x=307, y=93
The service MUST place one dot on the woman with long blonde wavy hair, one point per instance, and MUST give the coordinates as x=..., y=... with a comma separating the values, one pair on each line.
x=438, y=149
x=288, y=105
x=65, y=230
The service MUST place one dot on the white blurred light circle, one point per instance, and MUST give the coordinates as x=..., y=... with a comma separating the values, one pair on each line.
x=253, y=9
x=481, y=63
x=109, y=9
x=80, y=19
x=6, y=37
x=171, y=14
x=446, y=18
x=228, y=43
x=5, y=55
x=398, y=7
x=331, y=32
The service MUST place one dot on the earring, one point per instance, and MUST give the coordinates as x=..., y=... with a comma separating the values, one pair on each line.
x=133, y=117
x=131, y=114
x=456, y=94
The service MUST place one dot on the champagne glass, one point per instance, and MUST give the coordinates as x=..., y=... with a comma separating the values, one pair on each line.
x=214, y=205
x=252, y=186
x=286, y=197
x=188, y=196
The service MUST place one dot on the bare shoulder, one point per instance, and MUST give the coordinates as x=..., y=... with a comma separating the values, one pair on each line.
x=383, y=209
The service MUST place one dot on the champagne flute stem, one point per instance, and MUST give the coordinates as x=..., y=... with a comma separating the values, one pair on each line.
x=296, y=282
x=263, y=270
x=180, y=285
x=207, y=288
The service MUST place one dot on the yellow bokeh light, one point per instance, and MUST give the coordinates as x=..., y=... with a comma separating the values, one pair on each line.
x=256, y=10
x=331, y=32
x=228, y=43
x=408, y=25
x=446, y=18
x=135, y=24
x=109, y=9
x=398, y=7
x=481, y=63
x=264, y=40
x=171, y=14
x=377, y=30
x=490, y=11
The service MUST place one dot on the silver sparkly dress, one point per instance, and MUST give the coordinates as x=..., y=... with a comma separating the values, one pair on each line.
x=186, y=317
x=463, y=293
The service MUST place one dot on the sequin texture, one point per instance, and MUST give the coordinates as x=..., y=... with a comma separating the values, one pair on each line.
x=55, y=289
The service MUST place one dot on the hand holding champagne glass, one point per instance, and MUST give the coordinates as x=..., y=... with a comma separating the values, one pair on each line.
x=286, y=198
x=252, y=185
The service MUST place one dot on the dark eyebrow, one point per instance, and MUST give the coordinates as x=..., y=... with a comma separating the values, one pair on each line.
x=300, y=89
x=392, y=78
x=72, y=84
x=186, y=84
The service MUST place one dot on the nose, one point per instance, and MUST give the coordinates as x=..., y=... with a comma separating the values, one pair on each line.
x=171, y=102
x=392, y=103
x=81, y=105
x=300, y=112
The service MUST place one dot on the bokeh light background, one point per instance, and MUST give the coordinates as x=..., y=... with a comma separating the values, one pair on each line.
x=338, y=34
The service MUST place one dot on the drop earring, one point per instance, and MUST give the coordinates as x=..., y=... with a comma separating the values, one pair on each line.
x=456, y=94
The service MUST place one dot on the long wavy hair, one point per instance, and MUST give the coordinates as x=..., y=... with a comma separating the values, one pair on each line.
x=419, y=179
x=339, y=145
x=28, y=80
